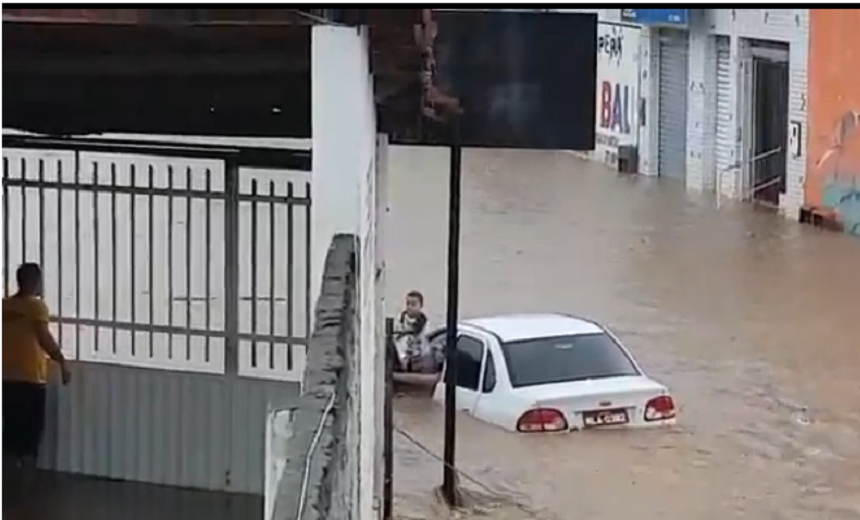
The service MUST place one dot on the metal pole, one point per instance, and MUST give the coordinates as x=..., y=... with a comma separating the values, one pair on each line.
x=388, y=423
x=231, y=268
x=449, y=475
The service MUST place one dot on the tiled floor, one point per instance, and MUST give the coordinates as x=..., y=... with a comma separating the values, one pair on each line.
x=66, y=497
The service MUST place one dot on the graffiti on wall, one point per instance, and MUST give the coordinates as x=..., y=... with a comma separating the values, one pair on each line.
x=841, y=181
x=832, y=184
x=618, y=89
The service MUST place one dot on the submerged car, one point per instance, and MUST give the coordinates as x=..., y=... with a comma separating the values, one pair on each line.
x=551, y=373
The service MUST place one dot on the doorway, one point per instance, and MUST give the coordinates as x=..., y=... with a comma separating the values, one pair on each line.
x=769, y=135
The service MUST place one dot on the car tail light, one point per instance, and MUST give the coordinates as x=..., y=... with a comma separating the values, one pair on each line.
x=660, y=408
x=542, y=420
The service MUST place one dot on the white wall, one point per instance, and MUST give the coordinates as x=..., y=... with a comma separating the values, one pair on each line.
x=345, y=201
x=617, y=93
x=784, y=25
x=380, y=310
x=340, y=122
x=649, y=92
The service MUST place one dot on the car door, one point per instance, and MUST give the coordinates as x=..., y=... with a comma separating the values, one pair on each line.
x=471, y=353
x=495, y=405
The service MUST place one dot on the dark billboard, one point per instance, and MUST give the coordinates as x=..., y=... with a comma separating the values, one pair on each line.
x=516, y=79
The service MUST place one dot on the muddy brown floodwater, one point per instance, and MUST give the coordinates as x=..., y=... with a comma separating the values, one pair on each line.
x=752, y=320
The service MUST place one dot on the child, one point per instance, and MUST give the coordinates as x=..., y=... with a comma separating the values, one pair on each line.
x=409, y=332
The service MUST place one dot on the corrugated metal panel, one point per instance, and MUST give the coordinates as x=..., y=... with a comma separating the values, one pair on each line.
x=725, y=141
x=162, y=427
x=674, y=52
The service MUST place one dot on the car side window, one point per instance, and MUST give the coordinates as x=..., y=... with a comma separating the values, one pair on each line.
x=437, y=350
x=470, y=352
x=489, y=375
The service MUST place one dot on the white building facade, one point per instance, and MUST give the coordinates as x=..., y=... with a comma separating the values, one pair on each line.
x=715, y=98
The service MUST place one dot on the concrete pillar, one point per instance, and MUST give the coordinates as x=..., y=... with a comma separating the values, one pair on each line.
x=339, y=119
x=343, y=121
x=731, y=183
x=649, y=94
x=700, y=103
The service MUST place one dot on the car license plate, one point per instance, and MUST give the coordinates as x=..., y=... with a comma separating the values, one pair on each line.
x=597, y=418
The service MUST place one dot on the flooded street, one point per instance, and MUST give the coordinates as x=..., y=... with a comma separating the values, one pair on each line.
x=751, y=319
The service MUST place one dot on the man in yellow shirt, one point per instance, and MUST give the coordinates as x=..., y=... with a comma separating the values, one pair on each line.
x=27, y=345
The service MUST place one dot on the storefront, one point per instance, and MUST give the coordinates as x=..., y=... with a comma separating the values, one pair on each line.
x=747, y=105
x=664, y=78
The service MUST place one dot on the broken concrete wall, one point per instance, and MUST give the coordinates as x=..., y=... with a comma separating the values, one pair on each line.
x=320, y=474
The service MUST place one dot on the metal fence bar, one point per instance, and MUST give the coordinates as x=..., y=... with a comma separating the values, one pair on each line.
x=96, y=261
x=114, y=262
x=163, y=329
x=254, y=208
x=231, y=267
x=272, y=277
x=77, y=200
x=188, y=264
x=766, y=184
x=23, y=212
x=208, y=266
x=151, y=250
x=388, y=423
x=132, y=224
x=290, y=260
x=164, y=192
x=7, y=269
x=170, y=295
x=41, y=199
x=248, y=156
x=60, y=257
x=308, y=303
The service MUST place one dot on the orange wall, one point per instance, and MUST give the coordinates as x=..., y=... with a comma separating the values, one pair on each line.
x=833, y=153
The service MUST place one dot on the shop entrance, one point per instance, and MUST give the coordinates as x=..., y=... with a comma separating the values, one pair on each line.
x=768, y=135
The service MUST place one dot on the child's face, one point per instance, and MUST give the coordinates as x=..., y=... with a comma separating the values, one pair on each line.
x=413, y=305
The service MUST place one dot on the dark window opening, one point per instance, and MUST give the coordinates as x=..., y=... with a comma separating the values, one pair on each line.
x=470, y=353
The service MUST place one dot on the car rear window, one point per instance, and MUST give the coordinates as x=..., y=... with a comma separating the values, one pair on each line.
x=565, y=358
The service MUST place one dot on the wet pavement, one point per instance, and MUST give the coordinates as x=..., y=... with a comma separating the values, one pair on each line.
x=58, y=496
x=751, y=319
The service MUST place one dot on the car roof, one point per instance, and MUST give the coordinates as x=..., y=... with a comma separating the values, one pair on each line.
x=515, y=327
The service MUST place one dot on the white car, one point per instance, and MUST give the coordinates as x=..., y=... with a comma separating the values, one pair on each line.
x=551, y=373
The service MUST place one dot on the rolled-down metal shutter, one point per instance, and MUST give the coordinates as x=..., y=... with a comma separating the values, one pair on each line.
x=674, y=50
x=725, y=141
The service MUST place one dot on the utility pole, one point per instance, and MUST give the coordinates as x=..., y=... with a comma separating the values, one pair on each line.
x=449, y=475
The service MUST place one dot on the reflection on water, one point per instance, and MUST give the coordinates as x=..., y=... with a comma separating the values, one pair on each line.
x=751, y=319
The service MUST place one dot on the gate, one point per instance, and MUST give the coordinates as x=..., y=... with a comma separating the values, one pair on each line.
x=162, y=259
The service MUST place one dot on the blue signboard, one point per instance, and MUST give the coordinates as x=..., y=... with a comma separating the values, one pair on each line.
x=677, y=17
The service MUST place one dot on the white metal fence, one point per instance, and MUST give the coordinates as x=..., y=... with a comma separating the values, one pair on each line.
x=176, y=257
